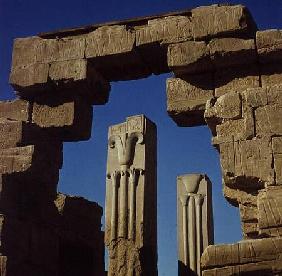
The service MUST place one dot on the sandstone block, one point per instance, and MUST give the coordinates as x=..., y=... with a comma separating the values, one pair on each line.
x=15, y=110
x=268, y=120
x=236, y=196
x=53, y=116
x=227, y=52
x=277, y=145
x=186, y=98
x=10, y=133
x=170, y=29
x=248, y=212
x=254, y=97
x=227, y=106
x=188, y=57
x=270, y=208
x=274, y=95
x=235, y=79
x=61, y=49
x=269, y=45
x=72, y=120
x=234, y=130
x=15, y=159
x=247, y=164
x=278, y=168
x=77, y=77
x=68, y=70
x=250, y=251
x=253, y=160
x=35, y=76
x=112, y=52
x=32, y=50
x=109, y=40
x=24, y=51
x=21, y=159
x=220, y=20
x=271, y=74
x=265, y=268
x=250, y=229
x=3, y=265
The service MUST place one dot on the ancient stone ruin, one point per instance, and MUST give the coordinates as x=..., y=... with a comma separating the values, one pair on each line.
x=194, y=221
x=131, y=198
x=226, y=74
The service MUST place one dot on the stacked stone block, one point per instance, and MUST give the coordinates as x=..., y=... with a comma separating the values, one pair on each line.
x=226, y=75
x=42, y=232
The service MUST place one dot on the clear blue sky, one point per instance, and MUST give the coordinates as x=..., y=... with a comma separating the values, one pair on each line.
x=180, y=150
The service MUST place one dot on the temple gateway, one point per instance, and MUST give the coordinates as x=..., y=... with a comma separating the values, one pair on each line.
x=226, y=75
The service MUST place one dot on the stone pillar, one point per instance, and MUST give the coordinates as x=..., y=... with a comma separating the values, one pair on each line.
x=195, y=221
x=131, y=198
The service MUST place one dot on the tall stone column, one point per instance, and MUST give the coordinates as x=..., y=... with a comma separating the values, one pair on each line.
x=194, y=220
x=131, y=198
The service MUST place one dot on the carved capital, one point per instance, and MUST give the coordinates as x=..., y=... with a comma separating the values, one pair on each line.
x=125, y=144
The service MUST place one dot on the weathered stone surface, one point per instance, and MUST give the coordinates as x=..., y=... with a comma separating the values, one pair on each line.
x=170, y=29
x=15, y=110
x=188, y=57
x=20, y=159
x=269, y=45
x=227, y=106
x=130, y=227
x=274, y=95
x=220, y=20
x=277, y=155
x=247, y=164
x=250, y=251
x=67, y=77
x=62, y=49
x=10, y=133
x=225, y=118
x=248, y=212
x=35, y=76
x=187, y=97
x=265, y=268
x=268, y=120
x=235, y=79
x=68, y=70
x=255, y=97
x=250, y=229
x=24, y=51
x=271, y=74
x=194, y=221
x=53, y=116
x=234, y=130
x=32, y=50
x=277, y=145
x=3, y=265
x=236, y=196
x=227, y=52
x=109, y=40
x=112, y=50
x=16, y=159
x=270, y=208
x=72, y=119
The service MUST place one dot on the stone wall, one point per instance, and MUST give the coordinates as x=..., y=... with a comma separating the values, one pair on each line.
x=226, y=75
x=42, y=232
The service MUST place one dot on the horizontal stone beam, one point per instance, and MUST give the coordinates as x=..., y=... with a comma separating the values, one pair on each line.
x=89, y=58
x=252, y=251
